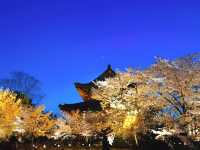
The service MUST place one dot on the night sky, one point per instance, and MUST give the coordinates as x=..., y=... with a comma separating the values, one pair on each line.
x=61, y=41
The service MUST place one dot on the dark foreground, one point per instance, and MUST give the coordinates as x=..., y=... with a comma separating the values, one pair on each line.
x=146, y=143
x=41, y=146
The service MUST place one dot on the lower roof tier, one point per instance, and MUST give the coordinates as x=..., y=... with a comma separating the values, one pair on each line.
x=91, y=105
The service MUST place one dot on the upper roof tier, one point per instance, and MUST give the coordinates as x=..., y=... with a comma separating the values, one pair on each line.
x=85, y=89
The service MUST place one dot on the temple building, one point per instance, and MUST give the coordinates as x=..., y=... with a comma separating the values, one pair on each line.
x=85, y=91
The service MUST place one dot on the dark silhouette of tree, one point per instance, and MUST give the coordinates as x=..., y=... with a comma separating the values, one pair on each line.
x=24, y=85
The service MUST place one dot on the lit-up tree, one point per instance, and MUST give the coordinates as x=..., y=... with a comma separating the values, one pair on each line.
x=62, y=129
x=180, y=88
x=130, y=101
x=78, y=124
x=37, y=123
x=166, y=94
x=10, y=109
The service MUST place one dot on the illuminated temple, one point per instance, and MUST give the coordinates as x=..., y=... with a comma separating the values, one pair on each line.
x=85, y=91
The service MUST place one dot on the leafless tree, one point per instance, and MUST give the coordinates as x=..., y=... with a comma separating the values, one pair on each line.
x=24, y=84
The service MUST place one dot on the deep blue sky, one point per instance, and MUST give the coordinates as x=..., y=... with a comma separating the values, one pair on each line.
x=61, y=41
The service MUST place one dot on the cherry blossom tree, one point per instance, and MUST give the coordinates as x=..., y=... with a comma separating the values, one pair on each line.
x=165, y=94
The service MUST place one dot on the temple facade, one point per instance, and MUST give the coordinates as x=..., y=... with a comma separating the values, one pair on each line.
x=85, y=91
